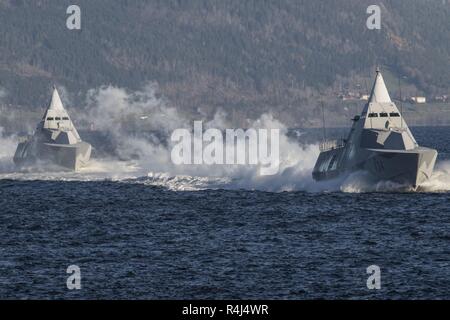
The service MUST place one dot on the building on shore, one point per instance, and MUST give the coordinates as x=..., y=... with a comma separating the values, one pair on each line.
x=419, y=100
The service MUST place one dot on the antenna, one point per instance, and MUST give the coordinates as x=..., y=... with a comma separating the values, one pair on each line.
x=401, y=102
x=368, y=103
x=323, y=119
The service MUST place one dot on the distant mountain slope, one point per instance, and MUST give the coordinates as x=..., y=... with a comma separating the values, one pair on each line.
x=239, y=54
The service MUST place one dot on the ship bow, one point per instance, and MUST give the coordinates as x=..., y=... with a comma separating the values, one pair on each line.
x=412, y=167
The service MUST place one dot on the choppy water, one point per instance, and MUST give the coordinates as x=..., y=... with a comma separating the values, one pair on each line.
x=160, y=235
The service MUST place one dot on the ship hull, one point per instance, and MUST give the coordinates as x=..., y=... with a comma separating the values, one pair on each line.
x=410, y=167
x=73, y=156
x=406, y=167
x=326, y=165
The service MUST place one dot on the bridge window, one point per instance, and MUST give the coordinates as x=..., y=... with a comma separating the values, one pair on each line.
x=50, y=119
x=383, y=115
x=394, y=114
x=57, y=118
x=65, y=118
x=373, y=115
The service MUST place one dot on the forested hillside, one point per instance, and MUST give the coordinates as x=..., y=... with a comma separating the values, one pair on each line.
x=244, y=55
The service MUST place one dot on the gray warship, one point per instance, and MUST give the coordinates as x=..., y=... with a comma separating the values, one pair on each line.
x=55, y=141
x=380, y=143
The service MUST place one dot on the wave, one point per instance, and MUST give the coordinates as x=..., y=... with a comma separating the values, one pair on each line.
x=155, y=167
x=294, y=178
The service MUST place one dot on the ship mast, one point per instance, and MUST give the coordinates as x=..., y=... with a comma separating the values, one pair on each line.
x=323, y=123
x=401, y=102
x=368, y=107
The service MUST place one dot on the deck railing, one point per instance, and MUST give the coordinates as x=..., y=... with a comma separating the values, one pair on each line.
x=331, y=144
x=24, y=138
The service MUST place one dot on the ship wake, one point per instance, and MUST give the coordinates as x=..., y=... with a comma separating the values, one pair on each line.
x=146, y=160
x=294, y=175
x=363, y=182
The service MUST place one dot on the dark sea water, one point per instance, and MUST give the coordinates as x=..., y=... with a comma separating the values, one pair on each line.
x=136, y=240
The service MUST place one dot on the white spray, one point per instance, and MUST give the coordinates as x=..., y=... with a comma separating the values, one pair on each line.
x=122, y=113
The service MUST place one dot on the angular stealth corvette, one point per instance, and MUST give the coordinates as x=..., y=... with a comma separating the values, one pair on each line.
x=56, y=140
x=379, y=142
